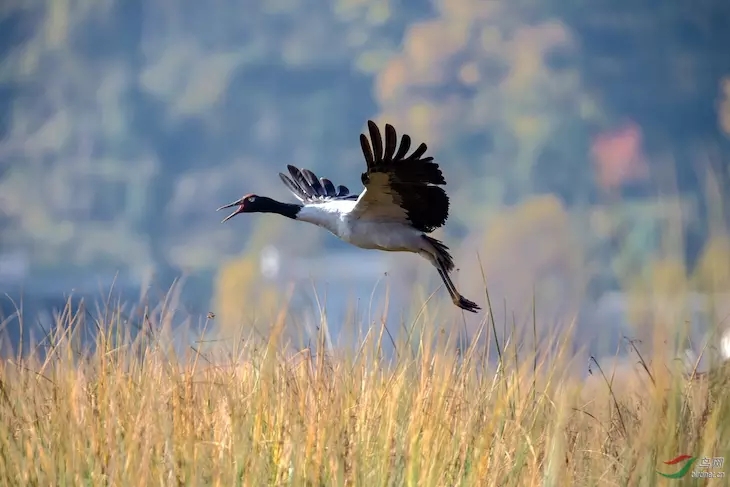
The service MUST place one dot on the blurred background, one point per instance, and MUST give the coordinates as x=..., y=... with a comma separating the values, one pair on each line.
x=585, y=144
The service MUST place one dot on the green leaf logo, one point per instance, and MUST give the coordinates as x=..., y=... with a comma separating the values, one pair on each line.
x=682, y=471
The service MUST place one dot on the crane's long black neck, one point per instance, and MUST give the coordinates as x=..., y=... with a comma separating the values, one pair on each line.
x=269, y=205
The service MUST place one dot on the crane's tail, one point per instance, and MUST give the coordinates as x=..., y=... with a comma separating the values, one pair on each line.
x=444, y=263
x=442, y=253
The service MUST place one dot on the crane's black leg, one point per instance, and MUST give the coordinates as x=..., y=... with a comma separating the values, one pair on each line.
x=457, y=298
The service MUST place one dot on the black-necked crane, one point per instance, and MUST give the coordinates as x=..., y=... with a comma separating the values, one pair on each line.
x=401, y=203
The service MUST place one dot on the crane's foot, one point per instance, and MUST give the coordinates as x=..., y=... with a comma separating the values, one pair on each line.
x=465, y=304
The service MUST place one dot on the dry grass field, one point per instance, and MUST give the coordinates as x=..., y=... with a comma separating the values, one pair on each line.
x=133, y=412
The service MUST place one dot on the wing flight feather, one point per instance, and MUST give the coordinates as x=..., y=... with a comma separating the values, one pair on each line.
x=400, y=188
x=307, y=188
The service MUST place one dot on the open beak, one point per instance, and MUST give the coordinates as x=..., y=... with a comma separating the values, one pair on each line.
x=231, y=205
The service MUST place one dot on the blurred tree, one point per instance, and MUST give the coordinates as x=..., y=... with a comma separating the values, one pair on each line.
x=238, y=286
x=122, y=101
x=658, y=304
x=712, y=272
x=482, y=88
x=532, y=248
x=662, y=70
x=724, y=108
x=239, y=283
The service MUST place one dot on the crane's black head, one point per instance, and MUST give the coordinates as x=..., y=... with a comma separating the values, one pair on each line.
x=252, y=203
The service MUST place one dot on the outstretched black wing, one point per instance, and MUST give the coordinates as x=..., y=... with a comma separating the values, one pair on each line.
x=305, y=186
x=400, y=187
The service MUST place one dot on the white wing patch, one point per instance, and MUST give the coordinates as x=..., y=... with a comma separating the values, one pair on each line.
x=378, y=202
x=330, y=214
